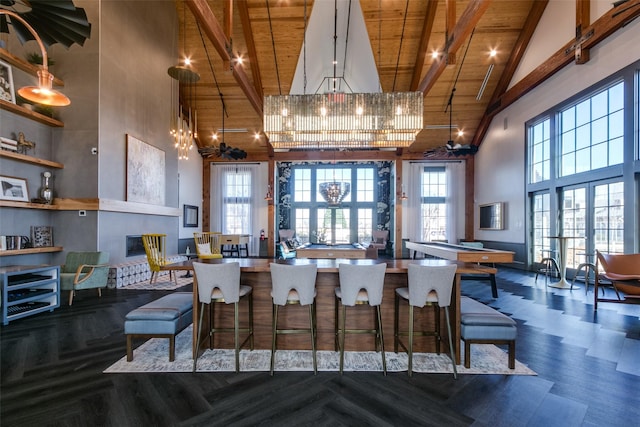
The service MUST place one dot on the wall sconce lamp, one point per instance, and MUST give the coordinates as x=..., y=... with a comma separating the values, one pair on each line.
x=269, y=195
x=43, y=93
x=403, y=195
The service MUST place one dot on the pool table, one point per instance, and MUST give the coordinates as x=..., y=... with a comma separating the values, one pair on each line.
x=348, y=250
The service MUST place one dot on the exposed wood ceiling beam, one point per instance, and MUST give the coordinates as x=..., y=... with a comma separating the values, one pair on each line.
x=227, y=16
x=450, y=22
x=427, y=28
x=606, y=25
x=537, y=9
x=214, y=32
x=583, y=19
x=462, y=29
x=243, y=10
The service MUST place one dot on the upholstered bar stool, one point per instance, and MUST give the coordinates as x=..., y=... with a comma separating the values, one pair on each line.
x=220, y=283
x=360, y=284
x=428, y=284
x=294, y=284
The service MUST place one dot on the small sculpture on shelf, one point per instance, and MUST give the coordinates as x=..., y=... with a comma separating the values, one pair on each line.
x=24, y=146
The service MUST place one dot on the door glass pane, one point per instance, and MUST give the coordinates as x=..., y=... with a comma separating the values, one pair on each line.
x=608, y=213
x=574, y=224
x=541, y=225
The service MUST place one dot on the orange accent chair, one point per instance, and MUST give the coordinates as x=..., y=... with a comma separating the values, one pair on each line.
x=622, y=271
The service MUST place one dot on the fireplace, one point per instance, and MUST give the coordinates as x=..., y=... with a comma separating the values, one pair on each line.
x=134, y=246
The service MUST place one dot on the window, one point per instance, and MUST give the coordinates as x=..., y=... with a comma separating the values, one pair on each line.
x=609, y=217
x=586, y=198
x=352, y=221
x=236, y=201
x=541, y=228
x=591, y=132
x=574, y=216
x=433, y=209
x=539, y=151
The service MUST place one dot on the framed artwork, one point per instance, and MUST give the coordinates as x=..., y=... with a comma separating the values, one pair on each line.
x=7, y=92
x=190, y=216
x=13, y=189
x=145, y=172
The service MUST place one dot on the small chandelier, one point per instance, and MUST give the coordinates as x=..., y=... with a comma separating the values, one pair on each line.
x=184, y=133
x=334, y=192
x=343, y=120
x=184, y=127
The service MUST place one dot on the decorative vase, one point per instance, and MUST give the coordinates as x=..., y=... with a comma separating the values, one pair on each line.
x=46, y=193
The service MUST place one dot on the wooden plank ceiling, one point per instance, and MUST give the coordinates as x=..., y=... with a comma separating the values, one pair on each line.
x=268, y=35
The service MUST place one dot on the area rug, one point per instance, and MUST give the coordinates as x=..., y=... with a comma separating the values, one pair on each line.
x=162, y=284
x=153, y=356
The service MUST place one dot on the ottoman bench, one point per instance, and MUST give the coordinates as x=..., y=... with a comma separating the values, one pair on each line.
x=162, y=318
x=481, y=324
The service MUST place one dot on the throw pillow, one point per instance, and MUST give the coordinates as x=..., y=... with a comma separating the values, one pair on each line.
x=204, y=249
x=379, y=240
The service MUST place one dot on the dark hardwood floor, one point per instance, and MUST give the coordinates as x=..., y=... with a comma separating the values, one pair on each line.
x=588, y=369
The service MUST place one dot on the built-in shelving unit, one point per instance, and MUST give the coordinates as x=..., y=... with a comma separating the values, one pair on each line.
x=28, y=290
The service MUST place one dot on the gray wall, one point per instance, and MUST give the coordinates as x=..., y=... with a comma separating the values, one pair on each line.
x=118, y=84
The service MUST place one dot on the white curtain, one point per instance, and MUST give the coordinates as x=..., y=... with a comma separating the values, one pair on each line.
x=455, y=196
x=414, y=194
x=245, y=175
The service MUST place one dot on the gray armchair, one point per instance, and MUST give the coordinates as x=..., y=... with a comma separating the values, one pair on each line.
x=379, y=239
x=84, y=270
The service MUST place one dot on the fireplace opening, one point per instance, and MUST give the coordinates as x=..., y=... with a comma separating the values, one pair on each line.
x=135, y=246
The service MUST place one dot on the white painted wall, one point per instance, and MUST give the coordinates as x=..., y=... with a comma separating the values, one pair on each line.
x=190, y=190
x=500, y=169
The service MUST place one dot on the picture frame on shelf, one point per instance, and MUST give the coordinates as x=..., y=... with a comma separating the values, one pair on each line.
x=7, y=92
x=13, y=188
x=41, y=236
x=190, y=216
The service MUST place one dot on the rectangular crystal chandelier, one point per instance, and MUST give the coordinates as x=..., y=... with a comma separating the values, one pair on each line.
x=343, y=120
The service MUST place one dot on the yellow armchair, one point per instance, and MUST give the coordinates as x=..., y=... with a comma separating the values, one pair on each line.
x=155, y=247
x=207, y=244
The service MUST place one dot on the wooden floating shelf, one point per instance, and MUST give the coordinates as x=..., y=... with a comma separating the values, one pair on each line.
x=31, y=251
x=29, y=159
x=105, y=205
x=26, y=205
x=5, y=105
x=25, y=66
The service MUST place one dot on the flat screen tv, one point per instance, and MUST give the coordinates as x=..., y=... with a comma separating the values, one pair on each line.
x=492, y=216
